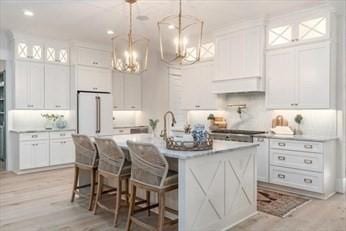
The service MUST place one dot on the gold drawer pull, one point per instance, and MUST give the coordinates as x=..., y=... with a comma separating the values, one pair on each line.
x=282, y=176
x=281, y=158
x=282, y=144
x=308, y=146
x=308, y=161
x=308, y=181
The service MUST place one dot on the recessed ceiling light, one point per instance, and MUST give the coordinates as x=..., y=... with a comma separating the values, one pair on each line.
x=28, y=13
x=171, y=27
x=142, y=18
x=110, y=32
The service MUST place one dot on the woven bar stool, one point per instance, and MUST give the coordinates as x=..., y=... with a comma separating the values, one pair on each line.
x=86, y=159
x=113, y=165
x=150, y=171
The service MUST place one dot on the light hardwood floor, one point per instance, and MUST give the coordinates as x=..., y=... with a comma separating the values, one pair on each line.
x=40, y=201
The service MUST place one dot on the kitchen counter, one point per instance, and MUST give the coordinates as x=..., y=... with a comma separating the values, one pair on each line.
x=298, y=137
x=219, y=146
x=217, y=188
x=41, y=130
x=129, y=126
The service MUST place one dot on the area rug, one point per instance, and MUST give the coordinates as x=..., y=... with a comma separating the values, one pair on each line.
x=277, y=203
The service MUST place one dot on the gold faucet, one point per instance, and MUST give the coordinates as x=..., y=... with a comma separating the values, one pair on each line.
x=164, y=131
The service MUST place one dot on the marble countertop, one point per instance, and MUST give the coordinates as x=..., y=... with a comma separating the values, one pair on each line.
x=129, y=126
x=298, y=137
x=218, y=146
x=41, y=130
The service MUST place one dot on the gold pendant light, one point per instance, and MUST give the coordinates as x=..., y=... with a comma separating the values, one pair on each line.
x=130, y=53
x=180, y=38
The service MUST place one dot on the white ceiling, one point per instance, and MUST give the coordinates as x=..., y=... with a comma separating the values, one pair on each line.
x=88, y=20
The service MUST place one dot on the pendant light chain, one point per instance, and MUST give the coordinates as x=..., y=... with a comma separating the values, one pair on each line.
x=130, y=39
x=179, y=30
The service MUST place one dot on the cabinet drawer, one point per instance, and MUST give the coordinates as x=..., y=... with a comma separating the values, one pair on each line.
x=34, y=136
x=121, y=131
x=297, y=179
x=297, y=145
x=61, y=135
x=299, y=160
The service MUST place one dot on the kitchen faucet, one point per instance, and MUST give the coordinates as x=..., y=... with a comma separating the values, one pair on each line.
x=164, y=131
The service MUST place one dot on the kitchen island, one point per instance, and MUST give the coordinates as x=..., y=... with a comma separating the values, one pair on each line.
x=217, y=188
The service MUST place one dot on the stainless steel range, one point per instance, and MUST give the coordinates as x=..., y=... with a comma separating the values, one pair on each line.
x=235, y=135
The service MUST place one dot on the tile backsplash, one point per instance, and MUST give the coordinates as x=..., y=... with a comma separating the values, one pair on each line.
x=256, y=117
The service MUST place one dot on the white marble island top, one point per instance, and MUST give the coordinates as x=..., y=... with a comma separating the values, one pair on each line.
x=218, y=146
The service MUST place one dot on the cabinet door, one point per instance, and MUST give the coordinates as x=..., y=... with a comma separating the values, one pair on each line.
x=279, y=35
x=94, y=79
x=57, y=54
x=189, y=97
x=281, y=79
x=40, y=154
x=96, y=58
x=262, y=159
x=36, y=85
x=61, y=152
x=21, y=84
x=313, y=73
x=29, y=50
x=25, y=155
x=118, y=91
x=133, y=92
x=57, y=77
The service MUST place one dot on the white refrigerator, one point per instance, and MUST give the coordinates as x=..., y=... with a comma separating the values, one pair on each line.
x=95, y=116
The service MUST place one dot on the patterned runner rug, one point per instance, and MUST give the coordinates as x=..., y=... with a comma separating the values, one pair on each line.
x=277, y=203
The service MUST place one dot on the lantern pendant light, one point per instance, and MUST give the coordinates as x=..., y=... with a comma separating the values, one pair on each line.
x=130, y=53
x=180, y=38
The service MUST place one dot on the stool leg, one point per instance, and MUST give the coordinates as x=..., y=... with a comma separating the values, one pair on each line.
x=75, y=182
x=127, y=191
x=161, y=210
x=92, y=188
x=118, y=201
x=132, y=206
x=99, y=191
x=148, y=201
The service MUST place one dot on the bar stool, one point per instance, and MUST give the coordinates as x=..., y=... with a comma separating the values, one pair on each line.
x=150, y=171
x=86, y=159
x=115, y=166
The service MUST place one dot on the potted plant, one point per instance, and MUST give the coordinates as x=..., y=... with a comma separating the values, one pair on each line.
x=211, y=119
x=153, y=124
x=298, y=119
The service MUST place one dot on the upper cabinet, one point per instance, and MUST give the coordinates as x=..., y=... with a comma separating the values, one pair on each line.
x=239, y=60
x=93, y=79
x=127, y=92
x=92, y=57
x=298, y=30
x=29, y=50
x=57, y=54
x=300, y=77
x=196, y=87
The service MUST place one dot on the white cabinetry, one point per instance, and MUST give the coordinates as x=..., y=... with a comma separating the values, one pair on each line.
x=93, y=79
x=262, y=159
x=127, y=91
x=303, y=165
x=57, y=86
x=61, y=148
x=196, y=87
x=239, y=60
x=29, y=50
x=300, y=77
x=29, y=85
x=92, y=57
x=57, y=54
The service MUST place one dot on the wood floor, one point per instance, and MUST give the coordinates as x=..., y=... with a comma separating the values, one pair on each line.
x=40, y=201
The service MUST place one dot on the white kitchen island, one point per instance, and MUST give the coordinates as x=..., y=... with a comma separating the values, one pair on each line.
x=217, y=188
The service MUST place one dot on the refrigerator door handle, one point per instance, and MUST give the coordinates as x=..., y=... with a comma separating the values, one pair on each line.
x=97, y=114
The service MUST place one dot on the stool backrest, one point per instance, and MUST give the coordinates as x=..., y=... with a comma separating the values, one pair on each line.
x=112, y=158
x=149, y=166
x=86, y=152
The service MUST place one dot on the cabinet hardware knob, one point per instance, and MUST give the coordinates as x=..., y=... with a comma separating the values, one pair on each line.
x=282, y=144
x=281, y=158
x=308, y=161
x=57, y=106
x=133, y=106
x=282, y=176
x=306, y=180
x=198, y=106
x=308, y=146
x=62, y=134
x=260, y=139
x=34, y=136
x=121, y=130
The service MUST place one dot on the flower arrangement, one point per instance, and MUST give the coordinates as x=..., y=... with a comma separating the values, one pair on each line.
x=50, y=119
x=298, y=119
x=153, y=124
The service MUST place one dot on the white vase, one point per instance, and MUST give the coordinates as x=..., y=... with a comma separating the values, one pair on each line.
x=48, y=125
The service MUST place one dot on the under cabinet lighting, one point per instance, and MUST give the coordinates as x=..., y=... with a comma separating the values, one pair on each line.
x=28, y=13
x=110, y=32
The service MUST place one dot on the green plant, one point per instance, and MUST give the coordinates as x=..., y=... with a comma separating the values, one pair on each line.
x=50, y=117
x=153, y=123
x=211, y=117
x=298, y=119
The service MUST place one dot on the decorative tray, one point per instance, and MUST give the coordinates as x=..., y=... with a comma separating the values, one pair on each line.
x=189, y=145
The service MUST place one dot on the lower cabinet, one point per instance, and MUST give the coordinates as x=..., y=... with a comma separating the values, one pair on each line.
x=262, y=158
x=34, y=154
x=61, y=151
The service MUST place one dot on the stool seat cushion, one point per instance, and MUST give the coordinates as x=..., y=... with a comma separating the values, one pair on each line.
x=171, y=179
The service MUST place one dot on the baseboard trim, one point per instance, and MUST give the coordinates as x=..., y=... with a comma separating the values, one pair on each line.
x=341, y=185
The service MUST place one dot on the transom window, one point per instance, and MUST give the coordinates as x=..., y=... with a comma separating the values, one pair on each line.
x=50, y=54
x=22, y=50
x=207, y=52
x=63, y=56
x=37, y=52
x=280, y=35
x=313, y=28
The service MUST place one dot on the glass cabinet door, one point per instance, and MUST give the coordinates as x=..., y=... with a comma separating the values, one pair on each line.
x=313, y=29
x=29, y=51
x=280, y=35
